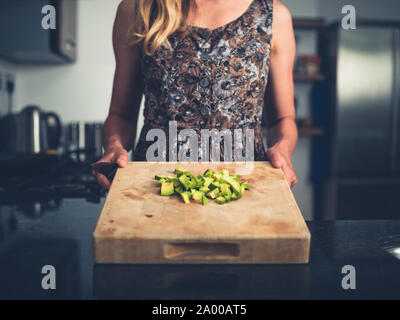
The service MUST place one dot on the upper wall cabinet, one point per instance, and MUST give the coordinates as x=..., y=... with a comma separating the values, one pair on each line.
x=38, y=31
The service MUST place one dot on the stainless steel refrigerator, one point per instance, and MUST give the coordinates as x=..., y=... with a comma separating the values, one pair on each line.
x=362, y=178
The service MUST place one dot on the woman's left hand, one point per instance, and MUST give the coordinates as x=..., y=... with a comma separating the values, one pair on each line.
x=280, y=158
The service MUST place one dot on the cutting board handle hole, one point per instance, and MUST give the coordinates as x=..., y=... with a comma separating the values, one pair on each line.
x=201, y=251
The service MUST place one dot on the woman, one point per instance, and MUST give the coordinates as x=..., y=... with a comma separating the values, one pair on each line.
x=203, y=64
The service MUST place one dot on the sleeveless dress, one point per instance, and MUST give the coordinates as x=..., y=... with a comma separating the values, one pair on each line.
x=210, y=79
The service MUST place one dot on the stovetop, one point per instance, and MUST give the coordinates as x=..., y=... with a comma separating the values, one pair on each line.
x=44, y=189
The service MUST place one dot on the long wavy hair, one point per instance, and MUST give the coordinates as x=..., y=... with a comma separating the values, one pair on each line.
x=155, y=20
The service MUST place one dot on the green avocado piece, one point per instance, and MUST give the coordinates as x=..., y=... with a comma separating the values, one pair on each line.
x=240, y=193
x=185, y=197
x=161, y=181
x=226, y=191
x=234, y=196
x=225, y=173
x=204, y=189
x=159, y=177
x=213, y=193
x=194, y=183
x=185, y=181
x=174, y=180
x=220, y=200
x=204, y=200
x=207, y=181
x=217, y=175
x=214, y=185
x=224, y=187
x=246, y=185
x=179, y=171
x=208, y=173
x=197, y=195
x=234, y=184
x=167, y=189
x=236, y=177
x=198, y=181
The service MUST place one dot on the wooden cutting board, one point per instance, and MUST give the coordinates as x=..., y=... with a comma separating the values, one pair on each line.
x=137, y=225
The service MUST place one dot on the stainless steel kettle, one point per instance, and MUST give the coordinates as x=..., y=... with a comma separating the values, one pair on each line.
x=31, y=131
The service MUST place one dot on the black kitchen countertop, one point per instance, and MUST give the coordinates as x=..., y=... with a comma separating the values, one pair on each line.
x=61, y=236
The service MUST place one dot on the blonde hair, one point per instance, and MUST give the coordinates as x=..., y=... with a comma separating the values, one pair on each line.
x=155, y=20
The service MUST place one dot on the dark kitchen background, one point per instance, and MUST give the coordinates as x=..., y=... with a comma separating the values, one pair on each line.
x=55, y=89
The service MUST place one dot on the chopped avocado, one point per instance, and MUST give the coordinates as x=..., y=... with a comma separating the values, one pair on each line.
x=220, y=200
x=226, y=192
x=179, y=171
x=197, y=195
x=213, y=193
x=217, y=175
x=185, y=181
x=207, y=181
x=167, y=189
x=211, y=185
x=198, y=181
x=174, y=180
x=193, y=183
x=160, y=182
x=205, y=200
x=236, y=177
x=159, y=177
x=234, y=184
x=246, y=185
x=240, y=193
x=224, y=187
x=204, y=189
x=214, y=185
x=185, y=197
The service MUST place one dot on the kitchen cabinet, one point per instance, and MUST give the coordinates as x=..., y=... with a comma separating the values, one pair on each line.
x=24, y=40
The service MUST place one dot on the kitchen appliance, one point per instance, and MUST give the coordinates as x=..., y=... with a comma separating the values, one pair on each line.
x=362, y=178
x=23, y=38
x=30, y=132
x=83, y=140
x=137, y=225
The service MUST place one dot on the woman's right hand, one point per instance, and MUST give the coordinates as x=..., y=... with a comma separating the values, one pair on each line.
x=115, y=155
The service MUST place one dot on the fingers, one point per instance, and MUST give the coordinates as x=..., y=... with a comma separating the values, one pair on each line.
x=102, y=180
x=289, y=175
x=121, y=158
x=275, y=158
x=279, y=162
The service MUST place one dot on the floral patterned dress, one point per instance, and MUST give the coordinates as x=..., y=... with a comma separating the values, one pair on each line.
x=210, y=79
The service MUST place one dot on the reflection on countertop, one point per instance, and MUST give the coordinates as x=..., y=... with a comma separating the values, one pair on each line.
x=62, y=236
